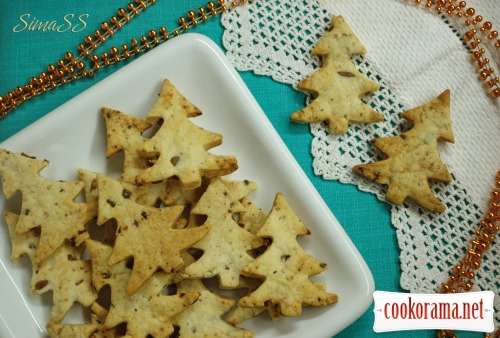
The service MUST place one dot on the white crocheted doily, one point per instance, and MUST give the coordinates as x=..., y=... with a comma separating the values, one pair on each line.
x=414, y=55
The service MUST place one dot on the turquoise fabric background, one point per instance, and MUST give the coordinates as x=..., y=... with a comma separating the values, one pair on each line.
x=25, y=53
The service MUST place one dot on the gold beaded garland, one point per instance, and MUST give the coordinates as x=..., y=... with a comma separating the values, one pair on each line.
x=462, y=275
x=486, y=74
x=74, y=67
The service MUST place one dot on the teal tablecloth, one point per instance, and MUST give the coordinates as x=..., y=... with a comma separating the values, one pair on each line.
x=24, y=53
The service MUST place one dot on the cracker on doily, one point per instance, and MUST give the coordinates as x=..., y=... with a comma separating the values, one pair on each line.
x=337, y=87
x=412, y=157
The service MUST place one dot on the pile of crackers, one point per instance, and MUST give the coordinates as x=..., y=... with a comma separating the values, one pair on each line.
x=150, y=254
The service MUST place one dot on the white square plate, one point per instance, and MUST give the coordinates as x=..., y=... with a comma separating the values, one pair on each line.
x=73, y=136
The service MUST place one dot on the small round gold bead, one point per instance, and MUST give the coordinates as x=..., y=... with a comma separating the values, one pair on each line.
x=476, y=56
x=482, y=63
x=163, y=33
x=114, y=20
x=467, y=286
x=475, y=43
x=445, y=288
x=132, y=9
x=203, y=15
x=492, y=35
x=144, y=42
x=182, y=22
x=470, y=11
x=141, y=4
x=68, y=56
x=153, y=36
x=486, y=26
x=123, y=13
x=99, y=36
x=493, y=82
x=211, y=7
x=192, y=18
x=469, y=35
x=126, y=53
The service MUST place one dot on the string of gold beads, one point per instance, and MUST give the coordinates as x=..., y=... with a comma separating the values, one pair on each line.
x=72, y=67
x=462, y=275
x=478, y=31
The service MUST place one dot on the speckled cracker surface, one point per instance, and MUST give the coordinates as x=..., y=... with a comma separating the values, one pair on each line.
x=337, y=87
x=47, y=204
x=412, y=157
x=180, y=147
x=226, y=245
x=148, y=311
x=144, y=233
x=204, y=318
x=285, y=266
x=64, y=273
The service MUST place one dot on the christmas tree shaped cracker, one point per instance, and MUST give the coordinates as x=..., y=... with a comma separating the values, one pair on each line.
x=413, y=157
x=124, y=133
x=148, y=311
x=226, y=245
x=285, y=266
x=46, y=204
x=64, y=273
x=204, y=318
x=145, y=233
x=180, y=148
x=337, y=87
